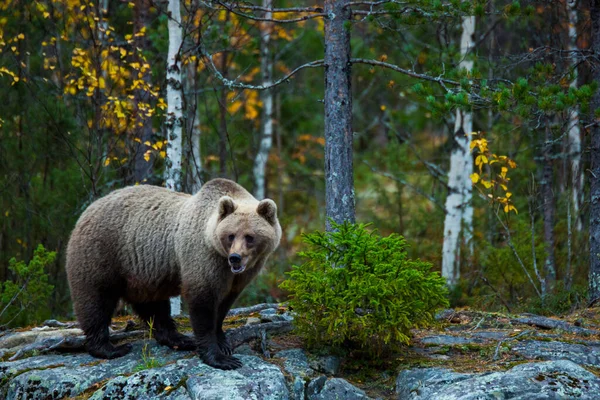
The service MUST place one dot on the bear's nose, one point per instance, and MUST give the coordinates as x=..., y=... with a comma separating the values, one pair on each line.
x=235, y=258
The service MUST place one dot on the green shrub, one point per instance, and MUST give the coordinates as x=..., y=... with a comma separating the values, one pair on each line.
x=24, y=298
x=358, y=288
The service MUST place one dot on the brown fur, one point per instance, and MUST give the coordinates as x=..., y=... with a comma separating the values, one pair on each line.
x=145, y=244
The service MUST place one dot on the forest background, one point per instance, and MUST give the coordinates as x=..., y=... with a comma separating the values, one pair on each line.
x=466, y=126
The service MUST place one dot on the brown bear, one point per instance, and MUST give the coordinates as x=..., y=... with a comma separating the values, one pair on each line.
x=145, y=244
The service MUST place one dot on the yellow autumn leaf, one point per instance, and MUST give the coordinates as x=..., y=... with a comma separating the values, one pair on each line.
x=147, y=156
x=486, y=184
x=163, y=154
x=107, y=162
x=474, y=177
x=504, y=171
x=123, y=52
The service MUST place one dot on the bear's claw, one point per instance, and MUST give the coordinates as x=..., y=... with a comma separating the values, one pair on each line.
x=177, y=341
x=224, y=345
x=108, y=351
x=221, y=361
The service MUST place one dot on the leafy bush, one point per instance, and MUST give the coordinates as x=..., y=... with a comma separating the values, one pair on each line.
x=24, y=299
x=358, y=288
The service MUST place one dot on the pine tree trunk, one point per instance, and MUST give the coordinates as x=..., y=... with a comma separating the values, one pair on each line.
x=339, y=176
x=594, y=273
x=574, y=129
x=142, y=168
x=459, y=210
x=549, y=211
x=266, y=66
x=174, y=119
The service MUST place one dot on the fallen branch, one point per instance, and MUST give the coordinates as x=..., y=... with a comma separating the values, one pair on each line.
x=252, y=309
x=549, y=323
x=69, y=344
x=239, y=336
x=507, y=340
x=236, y=336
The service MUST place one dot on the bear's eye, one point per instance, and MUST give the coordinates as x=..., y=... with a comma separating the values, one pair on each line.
x=249, y=239
x=231, y=237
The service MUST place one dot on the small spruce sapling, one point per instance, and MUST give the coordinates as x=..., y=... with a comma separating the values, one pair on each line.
x=360, y=289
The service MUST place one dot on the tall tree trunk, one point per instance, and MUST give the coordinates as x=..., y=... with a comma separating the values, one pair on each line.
x=266, y=141
x=574, y=136
x=459, y=210
x=548, y=206
x=194, y=160
x=339, y=176
x=174, y=119
x=142, y=168
x=594, y=273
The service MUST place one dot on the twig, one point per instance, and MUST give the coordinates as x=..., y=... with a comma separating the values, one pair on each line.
x=410, y=73
x=507, y=340
x=207, y=58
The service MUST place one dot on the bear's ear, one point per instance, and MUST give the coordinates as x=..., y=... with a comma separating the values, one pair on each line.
x=268, y=210
x=226, y=206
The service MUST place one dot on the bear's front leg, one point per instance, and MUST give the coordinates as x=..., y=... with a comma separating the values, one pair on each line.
x=224, y=308
x=203, y=316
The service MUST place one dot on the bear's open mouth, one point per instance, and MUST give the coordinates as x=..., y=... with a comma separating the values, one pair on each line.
x=237, y=268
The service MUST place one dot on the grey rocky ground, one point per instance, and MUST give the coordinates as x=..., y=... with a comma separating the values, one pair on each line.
x=471, y=355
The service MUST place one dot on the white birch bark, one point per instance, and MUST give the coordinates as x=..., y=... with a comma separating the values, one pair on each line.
x=193, y=153
x=459, y=210
x=174, y=119
x=574, y=135
x=266, y=141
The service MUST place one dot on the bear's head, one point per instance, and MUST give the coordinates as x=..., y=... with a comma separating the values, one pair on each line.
x=246, y=233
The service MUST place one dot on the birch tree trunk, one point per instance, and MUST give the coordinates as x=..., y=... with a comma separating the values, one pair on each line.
x=594, y=273
x=339, y=176
x=459, y=210
x=574, y=136
x=142, y=168
x=266, y=141
x=193, y=153
x=174, y=119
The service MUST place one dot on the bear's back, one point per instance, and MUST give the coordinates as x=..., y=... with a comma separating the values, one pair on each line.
x=128, y=234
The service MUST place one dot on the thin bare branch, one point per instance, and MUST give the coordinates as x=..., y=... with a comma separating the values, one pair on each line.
x=207, y=58
x=439, y=79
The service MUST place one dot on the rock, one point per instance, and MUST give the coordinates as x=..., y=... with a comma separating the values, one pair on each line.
x=295, y=363
x=337, y=388
x=245, y=349
x=547, y=380
x=578, y=353
x=253, y=321
x=298, y=388
x=449, y=340
x=411, y=383
x=329, y=365
x=55, y=376
x=444, y=314
x=270, y=315
x=256, y=379
x=315, y=386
